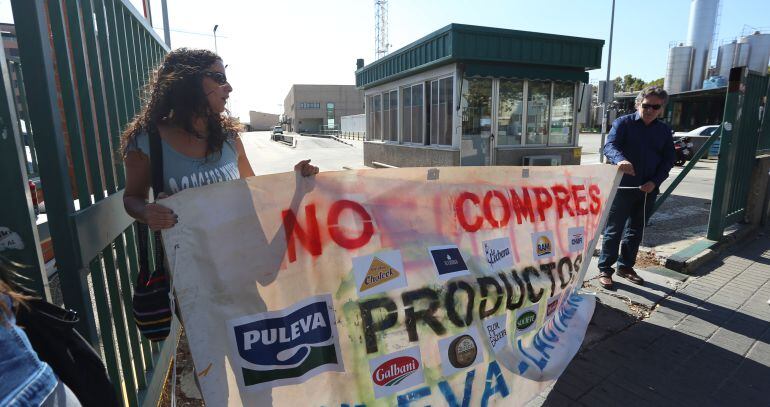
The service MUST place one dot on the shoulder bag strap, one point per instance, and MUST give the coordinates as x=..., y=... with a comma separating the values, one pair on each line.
x=156, y=163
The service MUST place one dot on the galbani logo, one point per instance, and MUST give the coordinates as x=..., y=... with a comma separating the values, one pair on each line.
x=525, y=320
x=543, y=246
x=395, y=371
x=379, y=273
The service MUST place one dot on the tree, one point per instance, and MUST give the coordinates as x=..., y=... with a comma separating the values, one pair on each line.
x=629, y=83
x=656, y=82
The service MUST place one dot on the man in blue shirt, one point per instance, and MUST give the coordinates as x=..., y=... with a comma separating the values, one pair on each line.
x=643, y=149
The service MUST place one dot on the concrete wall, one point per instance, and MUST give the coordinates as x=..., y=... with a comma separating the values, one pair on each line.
x=262, y=121
x=755, y=209
x=353, y=124
x=346, y=98
x=409, y=156
x=416, y=156
x=515, y=156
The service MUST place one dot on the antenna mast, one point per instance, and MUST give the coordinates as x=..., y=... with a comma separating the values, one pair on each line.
x=380, y=28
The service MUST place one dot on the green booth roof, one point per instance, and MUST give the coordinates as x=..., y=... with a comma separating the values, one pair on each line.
x=493, y=52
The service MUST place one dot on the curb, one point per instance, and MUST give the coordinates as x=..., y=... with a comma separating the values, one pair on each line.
x=688, y=260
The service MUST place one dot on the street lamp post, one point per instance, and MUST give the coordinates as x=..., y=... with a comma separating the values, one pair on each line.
x=215, y=38
x=605, y=110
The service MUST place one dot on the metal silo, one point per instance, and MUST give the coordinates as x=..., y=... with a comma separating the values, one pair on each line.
x=726, y=58
x=759, y=51
x=678, y=69
x=700, y=34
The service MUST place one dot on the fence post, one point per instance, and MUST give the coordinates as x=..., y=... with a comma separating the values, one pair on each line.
x=727, y=154
x=17, y=215
x=37, y=58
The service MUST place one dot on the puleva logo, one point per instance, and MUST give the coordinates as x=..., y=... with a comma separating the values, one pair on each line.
x=448, y=261
x=576, y=239
x=285, y=347
x=542, y=245
x=378, y=273
x=396, y=372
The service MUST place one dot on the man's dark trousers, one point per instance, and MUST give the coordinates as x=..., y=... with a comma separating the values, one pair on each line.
x=625, y=224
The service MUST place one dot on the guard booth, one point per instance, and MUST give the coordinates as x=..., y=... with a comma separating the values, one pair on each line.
x=470, y=95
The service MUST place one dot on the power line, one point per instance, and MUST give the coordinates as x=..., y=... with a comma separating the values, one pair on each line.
x=191, y=32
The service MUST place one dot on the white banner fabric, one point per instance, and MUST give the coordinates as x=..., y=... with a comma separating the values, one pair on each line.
x=420, y=286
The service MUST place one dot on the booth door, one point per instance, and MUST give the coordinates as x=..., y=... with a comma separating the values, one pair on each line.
x=477, y=142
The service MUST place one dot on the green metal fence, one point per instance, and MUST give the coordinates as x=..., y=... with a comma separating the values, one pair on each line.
x=83, y=63
x=744, y=134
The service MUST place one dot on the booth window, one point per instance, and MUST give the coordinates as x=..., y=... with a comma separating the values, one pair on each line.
x=390, y=116
x=377, y=116
x=538, y=104
x=441, y=111
x=477, y=107
x=393, y=118
x=562, y=113
x=510, y=112
x=411, y=111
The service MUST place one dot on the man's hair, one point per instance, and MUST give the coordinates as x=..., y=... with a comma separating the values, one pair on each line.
x=656, y=91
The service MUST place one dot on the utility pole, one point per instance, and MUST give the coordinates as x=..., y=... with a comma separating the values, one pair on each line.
x=167, y=31
x=611, y=90
x=215, y=38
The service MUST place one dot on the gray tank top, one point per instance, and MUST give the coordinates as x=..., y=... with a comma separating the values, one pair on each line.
x=182, y=172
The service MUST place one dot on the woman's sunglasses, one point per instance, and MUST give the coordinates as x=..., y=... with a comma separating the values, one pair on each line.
x=217, y=77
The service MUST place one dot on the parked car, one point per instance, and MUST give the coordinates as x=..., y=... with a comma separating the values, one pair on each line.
x=698, y=137
x=700, y=131
x=276, y=131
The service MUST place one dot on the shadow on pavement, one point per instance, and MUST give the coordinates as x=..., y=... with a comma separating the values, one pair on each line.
x=698, y=348
x=652, y=365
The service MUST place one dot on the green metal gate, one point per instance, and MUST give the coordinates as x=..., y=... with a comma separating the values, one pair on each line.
x=83, y=64
x=745, y=133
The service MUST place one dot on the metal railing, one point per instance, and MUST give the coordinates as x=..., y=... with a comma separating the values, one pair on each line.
x=83, y=64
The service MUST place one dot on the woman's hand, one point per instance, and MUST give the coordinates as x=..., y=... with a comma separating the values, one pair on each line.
x=305, y=168
x=158, y=217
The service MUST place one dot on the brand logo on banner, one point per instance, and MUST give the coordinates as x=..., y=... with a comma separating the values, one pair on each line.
x=526, y=319
x=289, y=346
x=496, y=332
x=553, y=304
x=460, y=351
x=396, y=371
x=542, y=245
x=498, y=254
x=379, y=273
x=448, y=261
x=576, y=239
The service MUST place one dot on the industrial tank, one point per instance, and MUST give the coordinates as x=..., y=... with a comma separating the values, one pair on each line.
x=732, y=55
x=700, y=34
x=759, y=51
x=678, y=69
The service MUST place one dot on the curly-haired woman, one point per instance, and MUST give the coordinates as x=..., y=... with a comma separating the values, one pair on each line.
x=200, y=145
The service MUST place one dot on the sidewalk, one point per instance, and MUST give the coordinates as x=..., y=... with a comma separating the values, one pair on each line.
x=701, y=342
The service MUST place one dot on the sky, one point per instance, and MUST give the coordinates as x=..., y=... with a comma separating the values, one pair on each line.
x=270, y=45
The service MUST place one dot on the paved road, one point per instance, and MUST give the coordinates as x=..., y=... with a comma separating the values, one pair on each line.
x=699, y=183
x=269, y=157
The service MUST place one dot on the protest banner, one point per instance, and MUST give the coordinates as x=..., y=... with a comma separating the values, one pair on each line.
x=419, y=286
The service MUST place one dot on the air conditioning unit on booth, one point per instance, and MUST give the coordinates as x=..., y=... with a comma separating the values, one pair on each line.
x=542, y=160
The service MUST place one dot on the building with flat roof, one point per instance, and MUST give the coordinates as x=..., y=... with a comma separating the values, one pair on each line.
x=263, y=121
x=312, y=108
x=470, y=95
